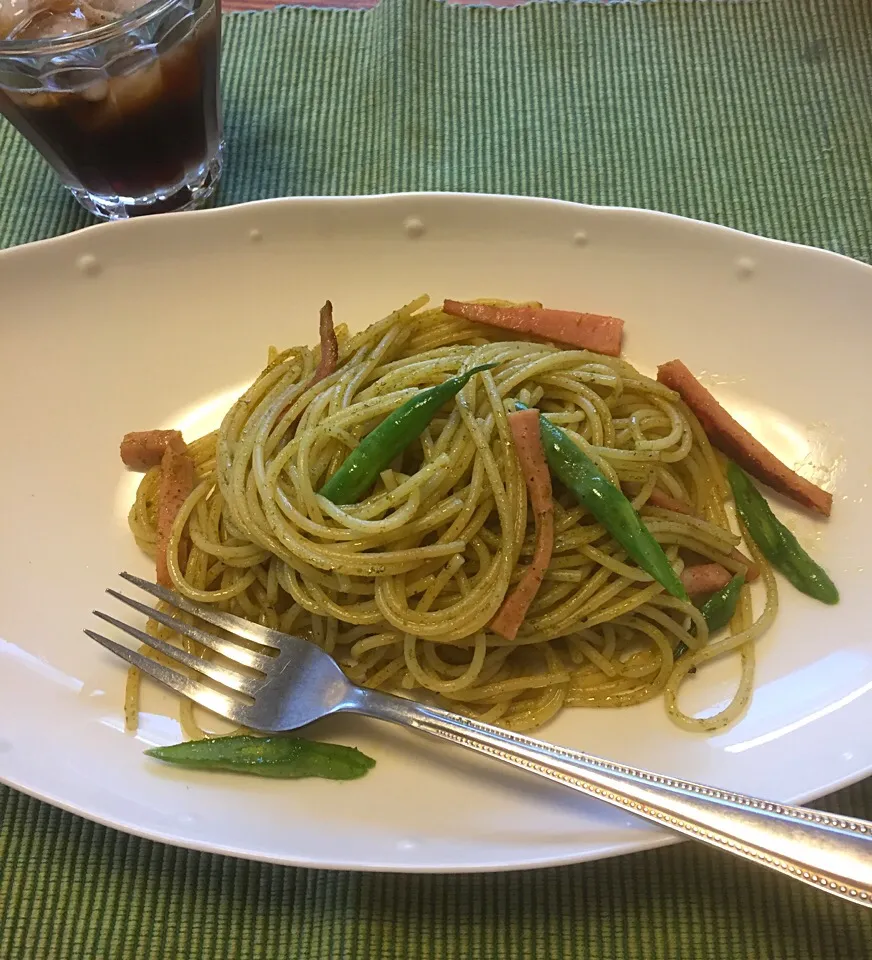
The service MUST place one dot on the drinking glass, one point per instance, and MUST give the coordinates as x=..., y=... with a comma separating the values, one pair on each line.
x=121, y=100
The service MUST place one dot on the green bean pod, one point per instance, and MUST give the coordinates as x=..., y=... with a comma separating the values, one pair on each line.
x=718, y=610
x=280, y=757
x=389, y=439
x=581, y=476
x=776, y=542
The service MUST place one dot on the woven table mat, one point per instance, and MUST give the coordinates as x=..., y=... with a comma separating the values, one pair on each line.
x=757, y=115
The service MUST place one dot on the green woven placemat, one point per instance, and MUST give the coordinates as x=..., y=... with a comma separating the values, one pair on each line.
x=757, y=115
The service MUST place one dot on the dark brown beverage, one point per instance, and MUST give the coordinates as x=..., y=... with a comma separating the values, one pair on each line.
x=135, y=131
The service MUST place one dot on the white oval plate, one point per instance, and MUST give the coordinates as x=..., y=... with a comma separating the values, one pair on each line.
x=162, y=321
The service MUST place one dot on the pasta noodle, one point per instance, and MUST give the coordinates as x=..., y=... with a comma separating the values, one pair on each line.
x=400, y=587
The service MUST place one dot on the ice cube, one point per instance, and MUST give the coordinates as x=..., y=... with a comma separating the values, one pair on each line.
x=51, y=22
x=135, y=90
x=12, y=14
x=35, y=101
x=41, y=19
x=118, y=8
x=96, y=91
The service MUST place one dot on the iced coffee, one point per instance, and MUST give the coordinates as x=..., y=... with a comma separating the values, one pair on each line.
x=121, y=98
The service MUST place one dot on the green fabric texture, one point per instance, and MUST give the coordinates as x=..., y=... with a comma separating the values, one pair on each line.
x=757, y=115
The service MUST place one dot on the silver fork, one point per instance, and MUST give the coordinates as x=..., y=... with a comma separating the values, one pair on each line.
x=297, y=682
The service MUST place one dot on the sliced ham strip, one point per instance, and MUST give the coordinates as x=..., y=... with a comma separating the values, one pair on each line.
x=145, y=448
x=665, y=502
x=660, y=499
x=525, y=432
x=734, y=440
x=705, y=578
x=589, y=331
x=329, y=346
x=176, y=484
x=753, y=570
x=329, y=352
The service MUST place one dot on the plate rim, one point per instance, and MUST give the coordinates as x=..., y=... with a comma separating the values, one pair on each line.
x=657, y=839
x=144, y=224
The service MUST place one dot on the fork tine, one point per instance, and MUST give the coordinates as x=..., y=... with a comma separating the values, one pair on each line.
x=229, y=678
x=207, y=697
x=225, y=621
x=230, y=650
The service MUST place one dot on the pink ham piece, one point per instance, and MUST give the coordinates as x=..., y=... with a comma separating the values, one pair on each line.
x=705, y=578
x=329, y=352
x=588, y=331
x=145, y=448
x=329, y=346
x=665, y=502
x=176, y=484
x=753, y=570
x=528, y=444
x=734, y=440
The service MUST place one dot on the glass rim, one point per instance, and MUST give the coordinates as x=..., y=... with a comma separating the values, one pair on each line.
x=76, y=41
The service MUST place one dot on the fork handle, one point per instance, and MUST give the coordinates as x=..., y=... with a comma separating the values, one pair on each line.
x=826, y=851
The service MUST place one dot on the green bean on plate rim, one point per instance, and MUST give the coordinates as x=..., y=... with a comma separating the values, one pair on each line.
x=280, y=757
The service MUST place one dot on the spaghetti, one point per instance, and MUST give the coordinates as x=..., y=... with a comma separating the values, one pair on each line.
x=400, y=587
